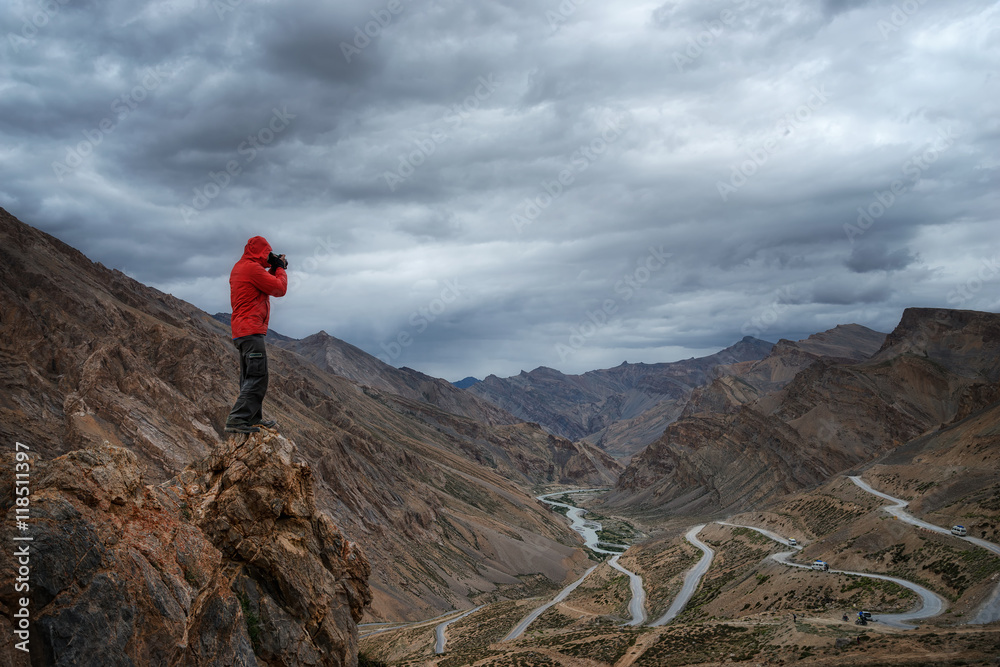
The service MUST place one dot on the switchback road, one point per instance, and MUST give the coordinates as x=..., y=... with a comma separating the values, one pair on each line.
x=990, y=611
x=691, y=579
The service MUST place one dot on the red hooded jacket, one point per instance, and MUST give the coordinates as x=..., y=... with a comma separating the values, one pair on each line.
x=250, y=285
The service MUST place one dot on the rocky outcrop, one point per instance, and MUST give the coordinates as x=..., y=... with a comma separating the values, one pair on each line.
x=229, y=563
x=713, y=461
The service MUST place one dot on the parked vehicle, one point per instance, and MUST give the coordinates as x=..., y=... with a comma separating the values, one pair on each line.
x=959, y=530
x=821, y=566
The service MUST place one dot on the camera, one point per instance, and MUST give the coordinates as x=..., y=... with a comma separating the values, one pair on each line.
x=277, y=261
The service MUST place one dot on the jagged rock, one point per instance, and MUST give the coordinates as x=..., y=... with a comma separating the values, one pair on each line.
x=229, y=563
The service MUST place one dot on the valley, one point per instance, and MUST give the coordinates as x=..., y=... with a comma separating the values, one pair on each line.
x=825, y=605
x=638, y=515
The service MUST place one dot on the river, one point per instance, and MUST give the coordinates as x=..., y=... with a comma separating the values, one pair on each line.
x=588, y=529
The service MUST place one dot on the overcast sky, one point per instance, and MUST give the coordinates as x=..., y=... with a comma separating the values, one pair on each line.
x=483, y=187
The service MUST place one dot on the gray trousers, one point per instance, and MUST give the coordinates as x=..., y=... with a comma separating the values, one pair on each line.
x=253, y=380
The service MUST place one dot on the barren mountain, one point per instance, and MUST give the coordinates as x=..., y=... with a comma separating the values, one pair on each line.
x=742, y=383
x=950, y=476
x=620, y=409
x=833, y=415
x=89, y=356
x=343, y=359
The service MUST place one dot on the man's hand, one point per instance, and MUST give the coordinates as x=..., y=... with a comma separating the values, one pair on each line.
x=277, y=261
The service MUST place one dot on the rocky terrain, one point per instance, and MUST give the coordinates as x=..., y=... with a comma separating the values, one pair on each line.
x=189, y=571
x=437, y=501
x=915, y=413
x=158, y=540
x=749, y=608
x=936, y=367
x=620, y=409
x=742, y=383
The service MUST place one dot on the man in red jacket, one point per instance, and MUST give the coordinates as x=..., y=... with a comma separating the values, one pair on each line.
x=258, y=275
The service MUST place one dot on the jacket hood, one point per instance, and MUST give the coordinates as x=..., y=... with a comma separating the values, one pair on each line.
x=257, y=249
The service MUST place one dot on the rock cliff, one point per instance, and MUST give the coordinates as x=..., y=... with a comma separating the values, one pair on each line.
x=833, y=415
x=743, y=383
x=228, y=563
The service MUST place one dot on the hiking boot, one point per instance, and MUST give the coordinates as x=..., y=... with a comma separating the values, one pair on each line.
x=241, y=428
x=266, y=423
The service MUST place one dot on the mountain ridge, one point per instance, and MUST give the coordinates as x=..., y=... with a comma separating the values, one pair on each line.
x=91, y=356
x=833, y=415
x=586, y=407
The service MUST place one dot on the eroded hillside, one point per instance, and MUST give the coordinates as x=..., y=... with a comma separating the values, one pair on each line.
x=437, y=500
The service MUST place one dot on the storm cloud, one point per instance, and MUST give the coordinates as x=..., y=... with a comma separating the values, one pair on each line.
x=506, y=184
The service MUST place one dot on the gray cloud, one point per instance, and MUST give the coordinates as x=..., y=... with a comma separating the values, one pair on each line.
x=817, y=163
x=865, y=259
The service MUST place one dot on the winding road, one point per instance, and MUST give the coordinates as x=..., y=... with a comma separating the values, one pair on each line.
x=637, y=606
x=899, y=511
x=931, y=604
x=766, y=533
x=588, y=530
x=691, y=579
x=389, y=627
x=442, y=639
x=530, y=618
x=990, y=611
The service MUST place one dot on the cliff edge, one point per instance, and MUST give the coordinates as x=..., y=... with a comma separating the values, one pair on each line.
x=228, y=563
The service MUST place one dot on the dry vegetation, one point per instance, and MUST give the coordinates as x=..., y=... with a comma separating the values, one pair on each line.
x=743, y=610
x=662, y=564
